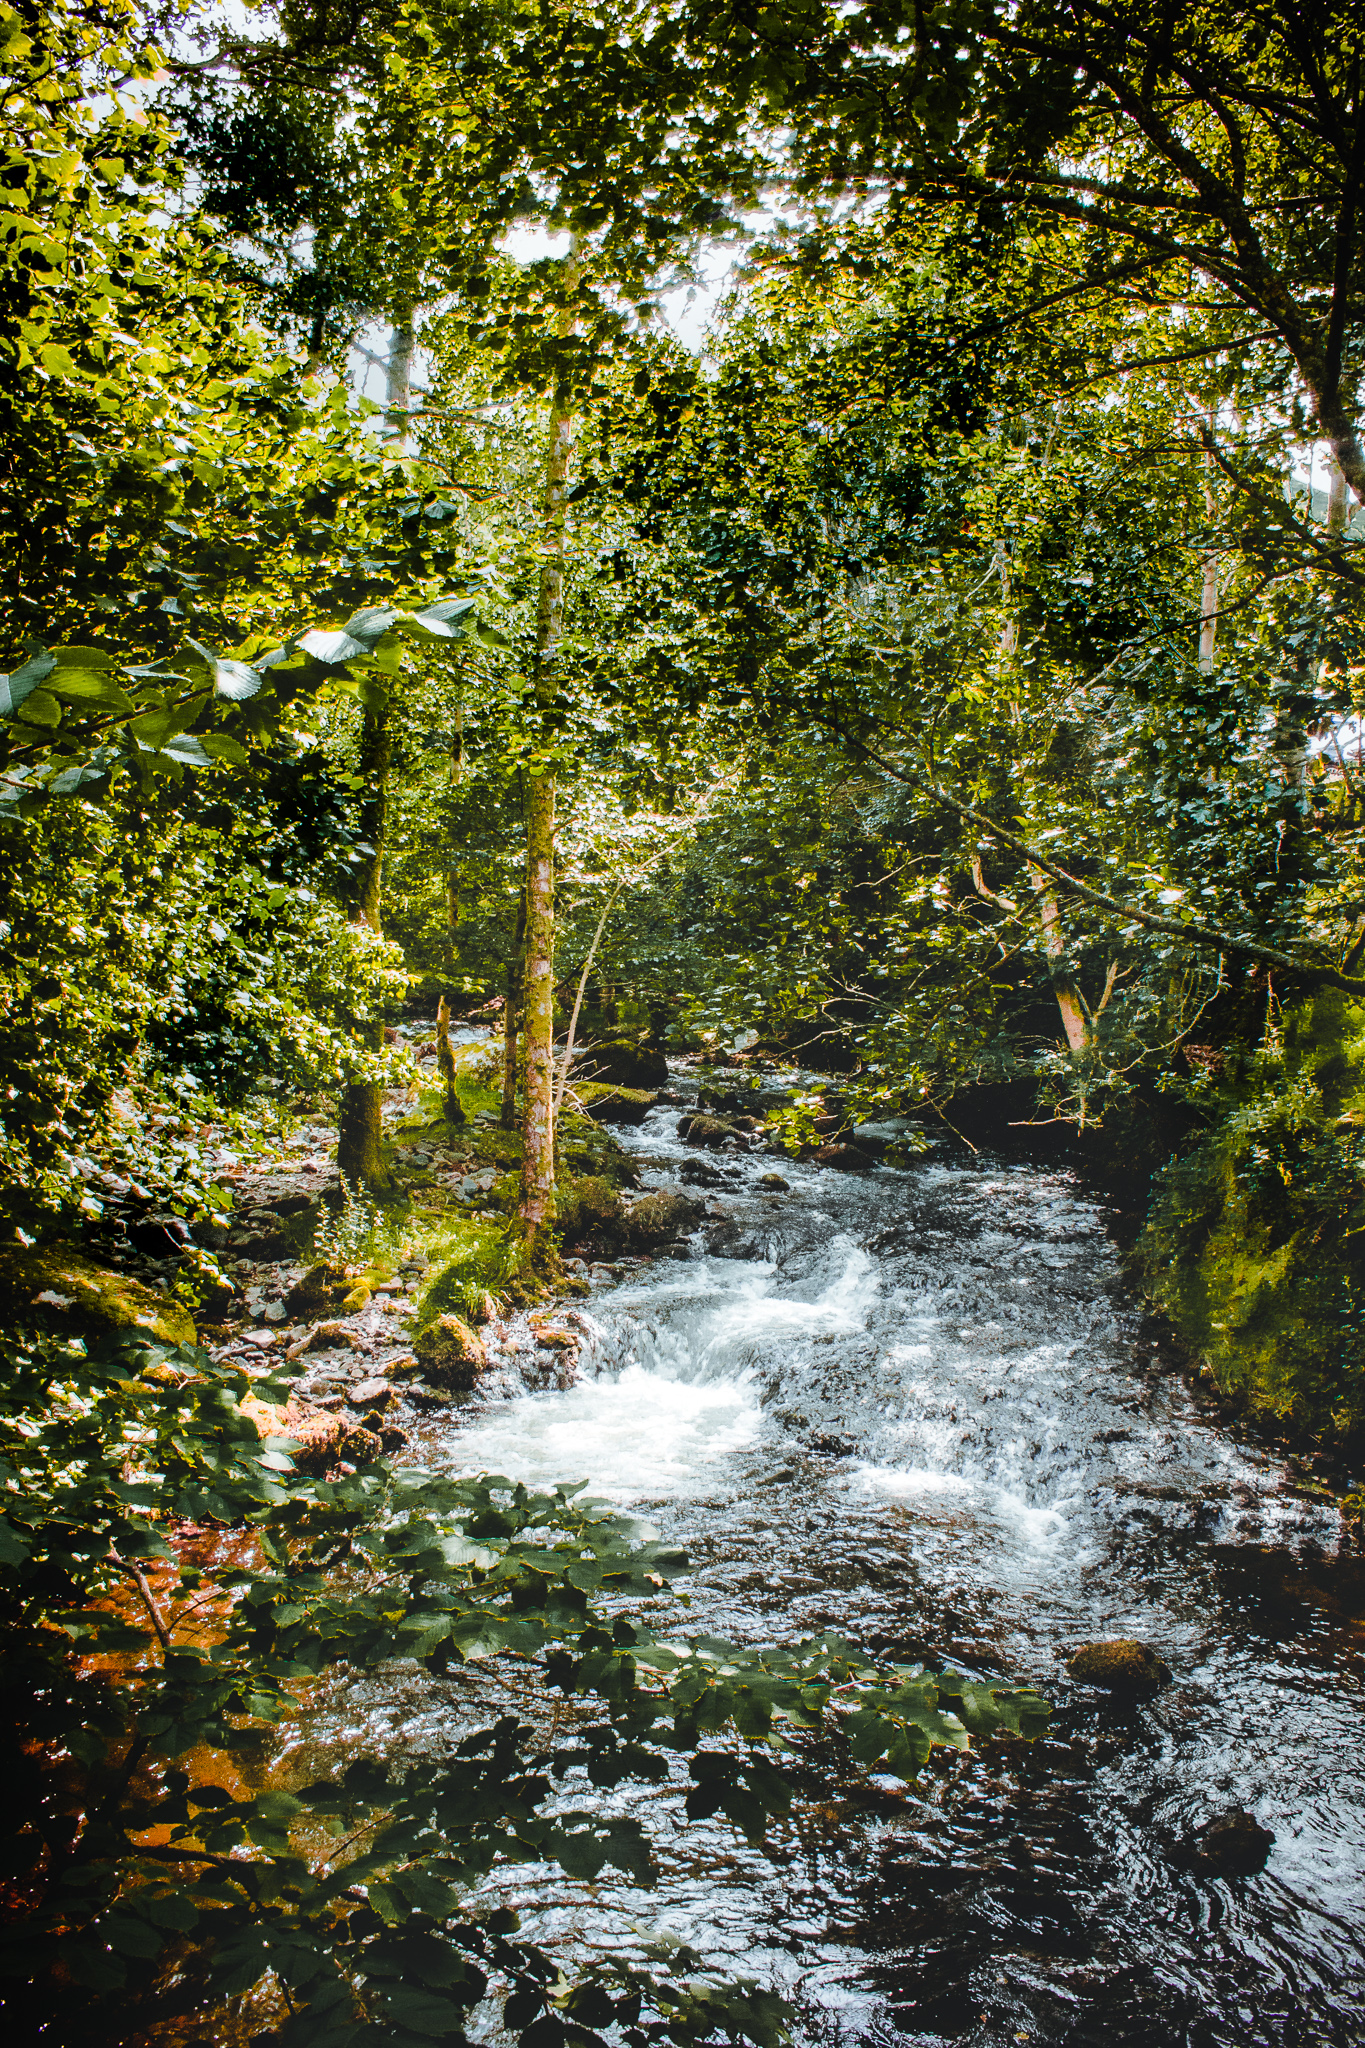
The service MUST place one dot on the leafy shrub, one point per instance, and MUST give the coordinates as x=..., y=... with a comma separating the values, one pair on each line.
x=169, y=1583
x=1256, y=1243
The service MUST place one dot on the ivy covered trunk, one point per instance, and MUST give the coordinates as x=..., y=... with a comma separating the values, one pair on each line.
x=538, y=1101
x=359, y=1127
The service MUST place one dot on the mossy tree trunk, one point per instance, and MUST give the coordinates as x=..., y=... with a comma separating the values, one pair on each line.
x=452, y=1106
x=511, y=1019
x=538, y=1105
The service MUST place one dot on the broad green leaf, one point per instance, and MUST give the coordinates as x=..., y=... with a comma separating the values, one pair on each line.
x=221, y=747
x=24, y=681
x=185, y=747
x=89, y=688
x=82, y=657
x=40, y=707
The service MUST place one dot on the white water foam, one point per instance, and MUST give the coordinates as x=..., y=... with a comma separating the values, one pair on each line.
x=634, y=1433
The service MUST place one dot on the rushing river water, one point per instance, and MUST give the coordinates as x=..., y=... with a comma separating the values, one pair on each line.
x=917, y=1407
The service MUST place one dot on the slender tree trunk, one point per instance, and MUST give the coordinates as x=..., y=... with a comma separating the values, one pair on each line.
x=1208, y=597
x=511, y=1020
x=451, y=1104
x=359, y=1154
x=398, y=380
x=1064, y=988
x=360, y=1128
x=538, y=1108
x=538, y=1103
x=1336, y=499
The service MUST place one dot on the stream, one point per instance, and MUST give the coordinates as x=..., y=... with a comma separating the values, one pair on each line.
x=921, y=1408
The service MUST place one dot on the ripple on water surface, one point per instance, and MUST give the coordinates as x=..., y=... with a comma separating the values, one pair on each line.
x=919, y=1408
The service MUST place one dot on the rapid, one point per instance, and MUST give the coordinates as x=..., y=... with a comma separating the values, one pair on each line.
x=922, y=1407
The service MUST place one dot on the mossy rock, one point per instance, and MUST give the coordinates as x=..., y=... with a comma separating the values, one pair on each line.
x=706, y=1130
x=591, y=1209
x=451, y=1354
x=322, y=1288
x=609, y=1105
x=662, y=1217
x=626, y=1063
x=62, y=1288
x=1121, y=1666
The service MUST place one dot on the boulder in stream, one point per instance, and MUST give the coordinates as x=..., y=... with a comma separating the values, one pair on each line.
x=661, y=1217
x=592, y=1212
x=615, y=1105
x=627, y=1063
x=1232, y=1844
x=706, y=1130
x=451, y=1354
x=1121, y=1666
x=847, y=1158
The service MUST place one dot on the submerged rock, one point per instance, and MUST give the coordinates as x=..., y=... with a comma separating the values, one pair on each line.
x=450, y=1354
x=1121, y=1666
x=701, y=1173
x=64, y=1290
x=1232, y=1844
x=847, y=1158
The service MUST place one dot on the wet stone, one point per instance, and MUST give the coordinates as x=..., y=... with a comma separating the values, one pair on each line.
x=1232, y=1844
x=1121, y=1666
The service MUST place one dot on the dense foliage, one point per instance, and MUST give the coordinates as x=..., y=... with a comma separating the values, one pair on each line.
x=949, y=674
x=172, y=1588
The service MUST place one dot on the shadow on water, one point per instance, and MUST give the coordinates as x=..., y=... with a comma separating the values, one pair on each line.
x=919, y=1407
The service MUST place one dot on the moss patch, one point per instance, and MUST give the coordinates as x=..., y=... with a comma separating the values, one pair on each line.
x=615, y=1105
x=62, y=1288
x=1256, y=1243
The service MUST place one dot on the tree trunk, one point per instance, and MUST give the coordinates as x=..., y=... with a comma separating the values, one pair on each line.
x=538, y=1109
x=1336, y=499
x=359, y=1147
x=538, y=1113
x=451, y=1105
x=398, y=379
x=359, y=1154
x=1208, y=596
x=1064, y=988
x=511, y=1021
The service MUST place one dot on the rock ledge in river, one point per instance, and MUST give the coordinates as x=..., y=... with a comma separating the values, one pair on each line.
x=1121, y=1666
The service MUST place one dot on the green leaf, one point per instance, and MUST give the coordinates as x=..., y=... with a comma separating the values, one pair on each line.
x=88, y=687
x=15, y=688
x=185, y=747
x=82, y=657
x=40, y=707
x=233, y=679
x=221, y=748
